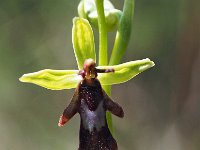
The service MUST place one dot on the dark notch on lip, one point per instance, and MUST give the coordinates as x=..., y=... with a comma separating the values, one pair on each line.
x=90, y=71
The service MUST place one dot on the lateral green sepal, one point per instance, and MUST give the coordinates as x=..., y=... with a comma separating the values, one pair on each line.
x=53, y=79
x=124, y=72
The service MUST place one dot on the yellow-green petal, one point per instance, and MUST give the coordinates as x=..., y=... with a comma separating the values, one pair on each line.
x=124, y=72
x=53, y=79
x=83, y=41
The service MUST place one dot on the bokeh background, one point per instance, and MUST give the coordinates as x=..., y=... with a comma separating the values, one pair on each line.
x=162, y=105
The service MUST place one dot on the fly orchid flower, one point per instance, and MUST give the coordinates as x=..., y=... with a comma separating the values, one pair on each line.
x=90, y=100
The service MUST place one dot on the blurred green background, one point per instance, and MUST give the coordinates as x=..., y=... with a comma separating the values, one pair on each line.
x=162, y=105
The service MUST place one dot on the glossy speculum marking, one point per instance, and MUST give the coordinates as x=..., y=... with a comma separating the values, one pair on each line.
x=91, y=102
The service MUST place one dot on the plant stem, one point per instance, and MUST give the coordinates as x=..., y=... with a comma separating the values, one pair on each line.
x=108, y=114
x=123, y=33
x=103, y=49
x=103, y=60
x=121, y=41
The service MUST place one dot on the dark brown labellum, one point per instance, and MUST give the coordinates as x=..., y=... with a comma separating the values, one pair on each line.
x=91, y=102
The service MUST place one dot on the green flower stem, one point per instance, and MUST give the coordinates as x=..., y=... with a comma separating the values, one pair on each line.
x=103, y=60
x=107, y=89
x=121, y=41
x=103, y=49
x=123, y=33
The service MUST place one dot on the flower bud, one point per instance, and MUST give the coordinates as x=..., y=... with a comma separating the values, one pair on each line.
x=87, y=9
x=112, y=18
x=81, y=11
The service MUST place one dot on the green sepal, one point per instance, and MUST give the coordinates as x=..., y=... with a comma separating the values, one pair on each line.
x=83, y=41
x=53, y=79
x=124, y=72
